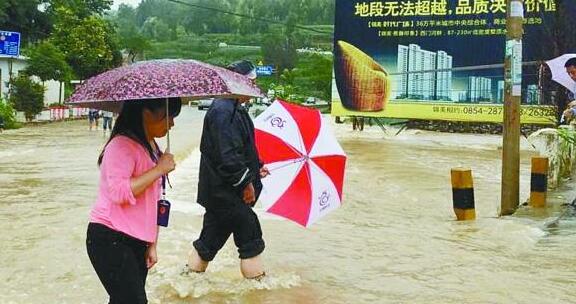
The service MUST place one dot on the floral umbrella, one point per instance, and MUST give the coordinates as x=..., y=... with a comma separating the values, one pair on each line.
x=160, y=79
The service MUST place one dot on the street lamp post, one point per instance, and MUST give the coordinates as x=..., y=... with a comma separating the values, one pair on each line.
x=512, y=94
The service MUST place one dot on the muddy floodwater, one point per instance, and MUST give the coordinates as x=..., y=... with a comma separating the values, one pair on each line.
x=394, y=240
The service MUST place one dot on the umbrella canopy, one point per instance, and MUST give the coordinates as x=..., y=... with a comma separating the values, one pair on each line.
x=305, y=160
x=161, y=79
x=559, y=73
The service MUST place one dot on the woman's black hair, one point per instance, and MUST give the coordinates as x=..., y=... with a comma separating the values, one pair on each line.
x=130, y=123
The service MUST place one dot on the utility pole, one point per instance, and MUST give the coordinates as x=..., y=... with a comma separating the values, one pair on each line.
x=512, y=93
x=10, y=73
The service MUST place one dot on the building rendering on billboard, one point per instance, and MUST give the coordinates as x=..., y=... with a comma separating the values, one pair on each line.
x=438, y=59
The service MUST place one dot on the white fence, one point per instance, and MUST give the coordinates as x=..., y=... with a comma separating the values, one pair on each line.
x=55, y=114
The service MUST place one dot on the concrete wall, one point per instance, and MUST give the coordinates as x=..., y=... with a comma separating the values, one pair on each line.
x=17, y=65
x=52, y=91
x=561, y=153
x=52, y=87
x=55, y=114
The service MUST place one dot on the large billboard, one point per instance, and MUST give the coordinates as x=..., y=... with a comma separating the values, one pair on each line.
x=438, y=59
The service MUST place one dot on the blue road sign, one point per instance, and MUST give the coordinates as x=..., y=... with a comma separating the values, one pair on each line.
x=9, y=43
x=264, y=70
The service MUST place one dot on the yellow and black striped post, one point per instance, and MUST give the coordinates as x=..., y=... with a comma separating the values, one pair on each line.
x=463, y=194
x=539, y=181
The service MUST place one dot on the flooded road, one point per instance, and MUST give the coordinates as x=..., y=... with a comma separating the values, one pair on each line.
x=394, y=240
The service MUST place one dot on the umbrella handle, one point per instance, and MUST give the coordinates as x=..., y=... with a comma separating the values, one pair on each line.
x=167, y=128
x=287, y=164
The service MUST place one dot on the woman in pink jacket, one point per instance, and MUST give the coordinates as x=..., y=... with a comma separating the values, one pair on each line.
x=123, y=231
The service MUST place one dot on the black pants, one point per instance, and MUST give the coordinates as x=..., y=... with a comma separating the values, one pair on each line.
x=107, y=124
x=119, y=261
x=239, y=220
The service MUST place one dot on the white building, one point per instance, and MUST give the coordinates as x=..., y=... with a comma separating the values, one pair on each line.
x=420, y=85
x=532, y=94
x=402, y=67
x=500, y=92
x=430, y=85
x=17, y=64
x=479, y=89
x=443, y=78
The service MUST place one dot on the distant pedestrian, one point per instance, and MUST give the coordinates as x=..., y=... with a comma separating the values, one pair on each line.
x=108, y=118
x=1, y=124
x=357, y=123
x=93, y=115
x=569, y=113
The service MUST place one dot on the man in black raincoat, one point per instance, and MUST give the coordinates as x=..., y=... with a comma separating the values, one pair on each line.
x=229, y=184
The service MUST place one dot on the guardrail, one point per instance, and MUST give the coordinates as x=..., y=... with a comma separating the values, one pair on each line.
x=55, y=114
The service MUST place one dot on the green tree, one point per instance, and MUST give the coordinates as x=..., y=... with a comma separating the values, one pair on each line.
x=283, y=91
x=7, y=113
x=280, y=50
x=167, y=14
x=129, y=36
x=262, y=9
x=24, y=17
x=48, y=62
x=126, y=15
x=288, y=76
x=124, y=20
x=27, y=96
x=200, y=21
x=3, y=11
x=89, y=44
x=313, y=76
x=81, y=8
x=113, y=44
x=155, y=28
x=135, y=44
x=34, y=19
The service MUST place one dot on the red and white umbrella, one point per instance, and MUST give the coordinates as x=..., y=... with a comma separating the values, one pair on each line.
x=306, y=163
